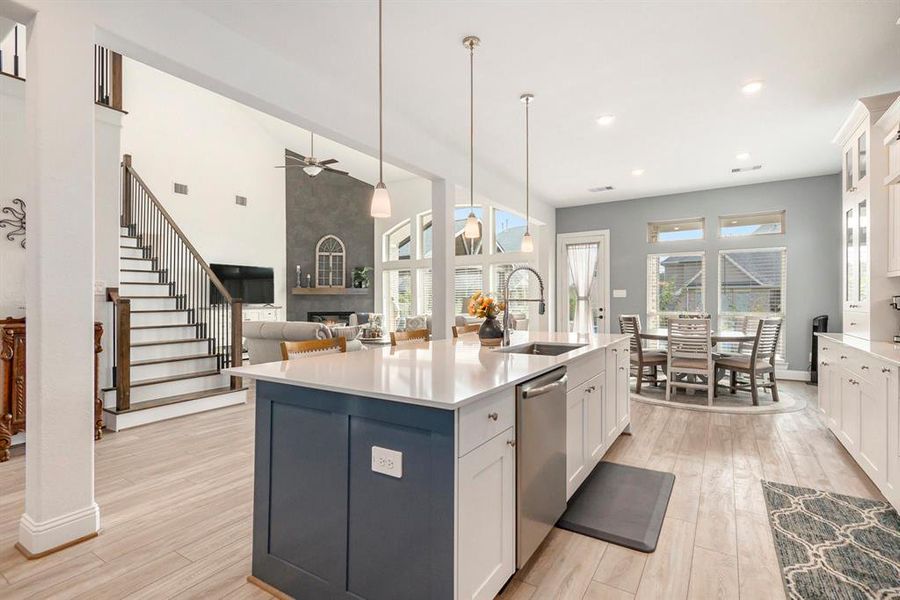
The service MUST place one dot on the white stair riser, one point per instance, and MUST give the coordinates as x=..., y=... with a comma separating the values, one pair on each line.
x=131, y=253
x=153, y=303
x=162, y=334
x=158, y=318
x=169, y=350
x=169, y=369
x=170, y=388
x=154, y=289
x=124, y=231
x=144, y=264
x=142, y=276
x=131, y=242
x=161, y=413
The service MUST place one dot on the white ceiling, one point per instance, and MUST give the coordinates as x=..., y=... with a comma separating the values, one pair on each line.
x=671, y=72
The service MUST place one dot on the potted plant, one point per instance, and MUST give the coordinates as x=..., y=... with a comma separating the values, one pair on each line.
x=361, y=276
x=487, y=307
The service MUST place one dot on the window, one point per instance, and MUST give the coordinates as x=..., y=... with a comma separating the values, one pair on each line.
x=425, y=244
x=398, y=242
x=518, y=288
x=675, y=285
x=398, y=296
x=757, y=224
x=508, y=231
x=673, y=231
x=751, y=287
x=426, y=302
x=468, y=281
x=464, y=245
x=330, y=262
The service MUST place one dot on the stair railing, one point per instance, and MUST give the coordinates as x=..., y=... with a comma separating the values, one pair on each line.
x=121, y=347
x=196, y=288
x=107, y=78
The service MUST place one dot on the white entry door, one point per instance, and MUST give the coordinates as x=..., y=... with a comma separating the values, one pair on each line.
x=583, y=274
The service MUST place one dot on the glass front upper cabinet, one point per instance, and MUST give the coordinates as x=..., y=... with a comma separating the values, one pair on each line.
x=862, y=157
x=856, y=256
x=848, y=170
x=851, y=258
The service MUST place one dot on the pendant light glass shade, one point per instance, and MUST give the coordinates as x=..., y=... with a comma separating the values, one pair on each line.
x=312, y=170
x=381, y=202
x=527, y=243
x=472, y=230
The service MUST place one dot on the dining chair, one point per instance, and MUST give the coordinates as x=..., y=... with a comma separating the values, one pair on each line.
x=641, y=358
x=415, y=335
x=470, y=328
x=690, y=354
x=694, y=316
x=291, y=350
x=759, y=363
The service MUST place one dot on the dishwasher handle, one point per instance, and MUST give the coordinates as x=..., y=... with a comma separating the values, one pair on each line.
x=544, y=389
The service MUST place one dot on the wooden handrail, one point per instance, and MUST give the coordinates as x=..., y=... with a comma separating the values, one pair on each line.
x=184, y=239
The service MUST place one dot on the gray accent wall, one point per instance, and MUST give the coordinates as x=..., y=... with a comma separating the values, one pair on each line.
x=812, y=238
x=316, y=206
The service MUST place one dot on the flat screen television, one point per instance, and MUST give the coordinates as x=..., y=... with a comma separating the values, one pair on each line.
x=253, y=285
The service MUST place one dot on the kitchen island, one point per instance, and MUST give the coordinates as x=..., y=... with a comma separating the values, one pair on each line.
x=391, y=473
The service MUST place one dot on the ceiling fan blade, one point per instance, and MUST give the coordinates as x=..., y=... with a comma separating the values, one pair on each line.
x=330, y=161
x=289, y=166
x=292, y=157
x=336, y=171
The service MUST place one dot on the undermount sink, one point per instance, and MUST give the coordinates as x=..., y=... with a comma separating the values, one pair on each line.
x=541, y=348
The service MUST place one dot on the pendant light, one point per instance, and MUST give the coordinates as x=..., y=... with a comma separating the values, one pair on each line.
x=312, y=169
x=472, y=230
x=381, y=200
x=527, y=242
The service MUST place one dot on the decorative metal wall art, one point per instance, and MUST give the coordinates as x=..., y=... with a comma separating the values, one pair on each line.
x=17, y=222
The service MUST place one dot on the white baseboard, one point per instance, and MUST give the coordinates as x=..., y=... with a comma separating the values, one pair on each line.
x=790, y=375
x=38, y=538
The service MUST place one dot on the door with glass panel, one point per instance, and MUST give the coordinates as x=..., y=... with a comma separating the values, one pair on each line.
x=856, y=255
x=583, y=275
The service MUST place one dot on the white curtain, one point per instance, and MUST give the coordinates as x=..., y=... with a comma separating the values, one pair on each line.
x=582, y=271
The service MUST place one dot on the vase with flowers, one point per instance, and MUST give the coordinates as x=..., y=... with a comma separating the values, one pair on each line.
x=487, y=307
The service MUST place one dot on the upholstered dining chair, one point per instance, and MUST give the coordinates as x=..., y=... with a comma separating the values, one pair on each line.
x=415, y=335
x=460, y=329
x=759, y=363
x=641, y=358
x=291, y=350
x=690, y=353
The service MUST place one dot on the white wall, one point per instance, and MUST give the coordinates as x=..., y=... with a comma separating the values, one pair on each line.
x=14, y=183
x=179, y=132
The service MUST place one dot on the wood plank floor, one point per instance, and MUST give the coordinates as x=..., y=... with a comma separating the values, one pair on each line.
x=175, y=502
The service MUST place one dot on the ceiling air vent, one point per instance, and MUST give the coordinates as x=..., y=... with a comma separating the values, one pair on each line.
x=602, y=188
x=181, y=188
x=746, y=169
x=240, y=200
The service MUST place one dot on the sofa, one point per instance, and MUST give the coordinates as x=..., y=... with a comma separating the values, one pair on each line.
x=263, y=338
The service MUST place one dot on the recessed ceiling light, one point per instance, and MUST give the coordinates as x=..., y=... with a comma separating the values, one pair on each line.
x=734, y=222
x=637, y=172
x=752, y=87
x=742, y=155
x=677, y=228
x=605, y=120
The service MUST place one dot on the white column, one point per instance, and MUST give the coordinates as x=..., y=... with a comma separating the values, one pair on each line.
x=59, y=457
x=442, y=258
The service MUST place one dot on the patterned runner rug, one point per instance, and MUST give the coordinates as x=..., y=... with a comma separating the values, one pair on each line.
x=834, y=546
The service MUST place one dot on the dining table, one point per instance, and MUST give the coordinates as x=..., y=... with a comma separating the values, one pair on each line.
x=661, y=334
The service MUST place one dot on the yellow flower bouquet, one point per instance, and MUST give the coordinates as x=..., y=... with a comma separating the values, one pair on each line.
x=485, y=306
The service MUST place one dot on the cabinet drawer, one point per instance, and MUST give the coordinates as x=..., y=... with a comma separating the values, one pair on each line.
x=585, y=368
x=856, y=322
x=828, y=350
x=483, y=419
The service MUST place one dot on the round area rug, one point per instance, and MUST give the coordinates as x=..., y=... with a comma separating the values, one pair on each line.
x=725, y=402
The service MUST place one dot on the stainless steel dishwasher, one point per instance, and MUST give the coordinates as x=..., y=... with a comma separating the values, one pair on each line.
x=540, y=460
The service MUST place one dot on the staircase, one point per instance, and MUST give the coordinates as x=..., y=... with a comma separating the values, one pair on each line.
x=175, y=327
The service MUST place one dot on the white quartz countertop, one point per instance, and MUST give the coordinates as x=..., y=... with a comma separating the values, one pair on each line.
x=444, y=374
x=887, y=351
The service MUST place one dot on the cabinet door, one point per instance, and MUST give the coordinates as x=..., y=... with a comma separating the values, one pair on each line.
x=621, y=394
x=873, y=431
x=851, y=259
x=835, y=409
x=824, y=397
x=595, y=392
x=893, y=237
x=850, y=413
x=486, y=517
x=576, y=438
x=892, y=480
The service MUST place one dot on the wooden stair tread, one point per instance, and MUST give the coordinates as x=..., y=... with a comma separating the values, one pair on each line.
x=144, y=282
x=164, y=342
x=141, y=270
x=158, y=297
x=158, y=361
x=168, y=379
x=157, y=402
x=133, y=327
x=158, y=310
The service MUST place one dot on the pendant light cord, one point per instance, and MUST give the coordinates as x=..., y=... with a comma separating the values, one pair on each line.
x=527, y=167
x=471, y=126
x=380, y=105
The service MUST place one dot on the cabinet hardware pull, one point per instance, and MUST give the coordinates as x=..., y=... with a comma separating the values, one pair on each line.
x=864, y=367
x=493, y=416
x=615, y=349
x=824, y=364
x=852, y=323
x=853, y=381
x=843, y=357
x=885, y=370
x=824, y=347
x=591, y=389
x=621, y=368
x=511, y=443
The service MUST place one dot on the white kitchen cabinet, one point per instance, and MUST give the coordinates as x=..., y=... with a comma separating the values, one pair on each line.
x=850, y=399
x=622, y=394
x=595, y=399
x=487, y=523
x=873, y=430
x=577, y=420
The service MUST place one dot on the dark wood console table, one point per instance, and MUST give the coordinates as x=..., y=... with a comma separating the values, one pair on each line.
x=12, y=382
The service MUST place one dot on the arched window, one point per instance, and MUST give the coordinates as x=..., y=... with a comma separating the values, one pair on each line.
x=330, y=255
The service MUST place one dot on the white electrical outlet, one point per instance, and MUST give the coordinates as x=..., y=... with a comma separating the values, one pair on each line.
x=620, y=293
x=388, y=462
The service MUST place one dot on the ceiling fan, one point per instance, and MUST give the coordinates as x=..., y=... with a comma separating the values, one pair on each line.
x=310, y=164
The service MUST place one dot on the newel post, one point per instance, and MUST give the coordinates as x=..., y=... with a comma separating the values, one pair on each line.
x=237, y=340
x=123, y=354
x=126, y=191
